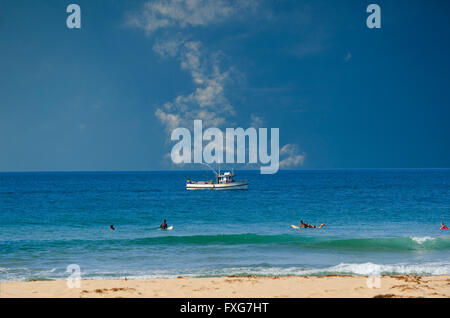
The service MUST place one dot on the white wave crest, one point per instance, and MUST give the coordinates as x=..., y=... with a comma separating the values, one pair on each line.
x=395, y=269
x=420, y=240
x=356, y=269
x=362, y=269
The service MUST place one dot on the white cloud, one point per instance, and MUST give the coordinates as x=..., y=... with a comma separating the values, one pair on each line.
x=256, y=121
x=208, y=101
x=161, y=14
x=168, y=48
x=171, y=121
x=291, y=156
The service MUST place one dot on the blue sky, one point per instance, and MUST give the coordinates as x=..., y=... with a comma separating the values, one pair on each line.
x=106, y=97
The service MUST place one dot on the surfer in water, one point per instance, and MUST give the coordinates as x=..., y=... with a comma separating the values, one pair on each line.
x=443, y=226
x=163, y=225
x=111, y=227
x=304, y=225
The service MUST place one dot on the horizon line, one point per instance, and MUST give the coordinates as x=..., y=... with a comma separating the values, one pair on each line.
x=187, y=170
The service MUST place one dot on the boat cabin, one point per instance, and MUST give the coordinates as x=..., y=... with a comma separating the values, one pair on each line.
x=227, y=177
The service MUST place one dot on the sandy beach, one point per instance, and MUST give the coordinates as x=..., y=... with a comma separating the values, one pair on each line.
x=258, y=287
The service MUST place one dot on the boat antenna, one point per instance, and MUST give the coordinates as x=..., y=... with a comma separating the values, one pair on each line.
x=204, y=163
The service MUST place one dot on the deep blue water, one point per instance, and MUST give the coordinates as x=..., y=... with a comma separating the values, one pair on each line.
x=377, y=222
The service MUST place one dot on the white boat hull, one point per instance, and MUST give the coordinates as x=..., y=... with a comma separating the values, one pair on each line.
x=217, y=186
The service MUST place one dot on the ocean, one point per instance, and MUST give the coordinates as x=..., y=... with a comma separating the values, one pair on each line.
x=377, y=221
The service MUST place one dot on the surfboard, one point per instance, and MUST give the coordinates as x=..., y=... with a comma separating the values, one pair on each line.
x=170, y=228
x=295, y=226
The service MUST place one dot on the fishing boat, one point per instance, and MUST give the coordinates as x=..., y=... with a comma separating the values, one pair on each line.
x=223, y=181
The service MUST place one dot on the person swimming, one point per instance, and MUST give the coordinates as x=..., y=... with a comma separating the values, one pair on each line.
x=443, y=226
x=111, y=227
x=163, y=225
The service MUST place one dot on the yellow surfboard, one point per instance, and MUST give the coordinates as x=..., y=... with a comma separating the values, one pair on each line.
x=295, y=226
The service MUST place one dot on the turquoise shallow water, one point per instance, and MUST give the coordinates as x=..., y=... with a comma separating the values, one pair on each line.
x=377, y=222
